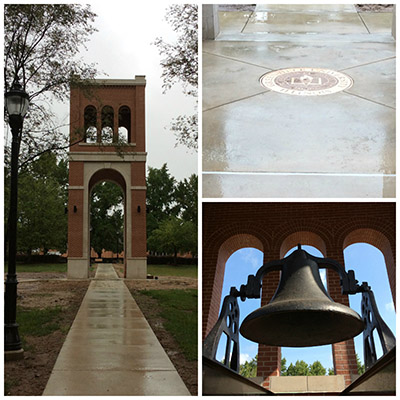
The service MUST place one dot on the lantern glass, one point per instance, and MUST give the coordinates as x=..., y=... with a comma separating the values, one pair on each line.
x=17, y=101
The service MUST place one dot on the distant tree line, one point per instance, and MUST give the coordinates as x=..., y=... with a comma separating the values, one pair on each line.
x=172, y=213
x=300, y=368
x=43, y=218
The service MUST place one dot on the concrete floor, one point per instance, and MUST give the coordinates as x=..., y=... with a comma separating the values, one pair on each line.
x=111, y=349
x=259, y=143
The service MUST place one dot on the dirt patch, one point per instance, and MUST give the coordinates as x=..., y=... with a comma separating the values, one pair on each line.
x=186, y=369
x=163, y=282
x=28, y=377
x=374, y=7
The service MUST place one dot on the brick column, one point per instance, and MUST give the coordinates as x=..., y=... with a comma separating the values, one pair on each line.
x=344, y=355
x=269, y=357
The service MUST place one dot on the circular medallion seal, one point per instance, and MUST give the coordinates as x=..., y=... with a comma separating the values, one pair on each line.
x=306, y=81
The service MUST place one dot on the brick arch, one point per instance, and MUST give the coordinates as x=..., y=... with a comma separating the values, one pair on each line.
x=114, y=176
x=107, y=174
x=124, y=164
x=307, y=238
x=332, y=222
x=382, y=243
x=216, y=253
x=307, y=230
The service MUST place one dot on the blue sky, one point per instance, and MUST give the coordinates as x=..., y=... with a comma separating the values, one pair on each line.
x=368, y=264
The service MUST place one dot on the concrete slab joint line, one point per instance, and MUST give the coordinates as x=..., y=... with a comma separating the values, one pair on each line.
x=268, y=144
x=111, y=349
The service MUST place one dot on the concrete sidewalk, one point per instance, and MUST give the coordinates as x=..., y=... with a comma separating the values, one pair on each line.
x=111, y=349
x=259, y=143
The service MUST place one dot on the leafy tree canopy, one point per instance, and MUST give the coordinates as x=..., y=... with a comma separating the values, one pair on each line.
x=180, y=64
x=172, y=236
x=301, y=368
x=249, y=368
x=172, y=210
x=106, y=223
x=41, y=47
x=42, y=222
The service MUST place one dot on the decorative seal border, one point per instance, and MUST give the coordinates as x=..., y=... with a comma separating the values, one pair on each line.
x=337, y=81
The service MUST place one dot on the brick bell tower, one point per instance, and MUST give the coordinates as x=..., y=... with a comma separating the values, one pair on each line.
x=107, y=132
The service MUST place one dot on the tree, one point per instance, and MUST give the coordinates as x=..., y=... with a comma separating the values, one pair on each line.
x=172, y=212
x=42, y=222
x=360, y=365
x=41, y=45
x=160, y=198
x=249, y=368
x=186, y=198
x=301, y=368
x=172, y=236
x=316, y=369
x=180, y=64
x=106, y=222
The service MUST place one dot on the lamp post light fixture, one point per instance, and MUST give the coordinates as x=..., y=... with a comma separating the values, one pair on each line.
x=301, y=312
x=16, y=103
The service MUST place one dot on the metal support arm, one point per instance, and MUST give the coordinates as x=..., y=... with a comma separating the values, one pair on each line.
x=228, y=320
x=373, y=320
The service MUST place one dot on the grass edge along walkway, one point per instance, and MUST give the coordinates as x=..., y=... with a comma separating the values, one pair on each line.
x=179, y=308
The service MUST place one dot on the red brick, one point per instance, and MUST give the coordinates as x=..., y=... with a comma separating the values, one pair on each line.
x=276, y=227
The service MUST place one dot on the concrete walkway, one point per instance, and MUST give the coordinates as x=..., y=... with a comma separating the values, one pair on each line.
x=260, y=143
x=111, y=349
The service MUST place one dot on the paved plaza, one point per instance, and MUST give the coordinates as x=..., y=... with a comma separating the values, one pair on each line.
x=261, y=143
x=111, y=349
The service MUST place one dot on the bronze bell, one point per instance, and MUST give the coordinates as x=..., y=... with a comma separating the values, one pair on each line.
x=301, y=313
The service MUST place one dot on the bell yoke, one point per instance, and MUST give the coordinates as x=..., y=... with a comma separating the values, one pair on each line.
x=301, y=313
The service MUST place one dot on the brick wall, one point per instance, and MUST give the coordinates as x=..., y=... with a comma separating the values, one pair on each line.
x=114, y=95
x=274, y=228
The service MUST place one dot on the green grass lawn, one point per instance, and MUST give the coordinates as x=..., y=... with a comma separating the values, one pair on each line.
x=173, y=270
x=42, y=267
x=38, y=322
x=179, y=308
x=156, y=270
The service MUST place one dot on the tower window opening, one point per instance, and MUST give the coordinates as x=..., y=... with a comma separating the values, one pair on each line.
x=90, y=127
x=107, y=124
x=124, y=124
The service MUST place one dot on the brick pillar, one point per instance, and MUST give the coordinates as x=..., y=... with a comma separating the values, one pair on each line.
x=269, y=357
x=344, y=355
x=213, y=278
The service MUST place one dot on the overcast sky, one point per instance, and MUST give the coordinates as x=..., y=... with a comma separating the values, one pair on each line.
x=122, y=49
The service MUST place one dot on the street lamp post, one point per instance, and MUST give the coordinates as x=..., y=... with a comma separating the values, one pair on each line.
x=16, y=102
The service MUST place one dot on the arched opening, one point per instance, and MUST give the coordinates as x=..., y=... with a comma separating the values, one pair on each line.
x=309, y=355
x=381, y=242
x=90, y=124
x=107, y=124
x=124, y=124
x=240, y=264
x=226, y=250
x=107, y=219
x=369, y=265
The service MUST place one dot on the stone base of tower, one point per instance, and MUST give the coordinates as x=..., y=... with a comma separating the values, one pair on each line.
x=136, y=268
x=78, y=268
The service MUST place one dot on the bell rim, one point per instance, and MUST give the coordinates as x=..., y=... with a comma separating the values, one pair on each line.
x=339, y=311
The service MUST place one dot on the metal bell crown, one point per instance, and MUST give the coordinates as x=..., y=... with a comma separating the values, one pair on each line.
x=301, y=313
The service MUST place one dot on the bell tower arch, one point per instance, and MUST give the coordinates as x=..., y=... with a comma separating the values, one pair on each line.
x=107, y=133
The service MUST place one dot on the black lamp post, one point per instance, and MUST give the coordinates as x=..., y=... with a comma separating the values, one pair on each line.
x=16, y=103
